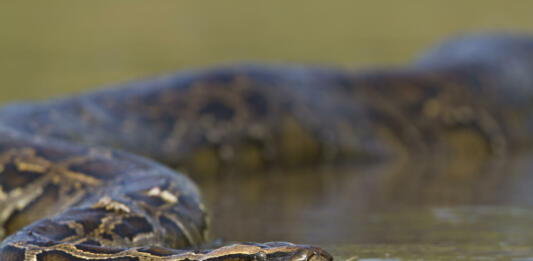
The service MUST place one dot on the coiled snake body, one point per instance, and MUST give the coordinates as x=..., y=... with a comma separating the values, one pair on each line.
x=65, y=195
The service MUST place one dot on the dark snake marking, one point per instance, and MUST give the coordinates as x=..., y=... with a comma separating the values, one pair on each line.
x=62, y=198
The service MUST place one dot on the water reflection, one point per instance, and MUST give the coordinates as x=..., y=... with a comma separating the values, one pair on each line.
x=413, y=203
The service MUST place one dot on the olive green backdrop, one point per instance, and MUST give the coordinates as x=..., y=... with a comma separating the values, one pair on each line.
x=48, y=48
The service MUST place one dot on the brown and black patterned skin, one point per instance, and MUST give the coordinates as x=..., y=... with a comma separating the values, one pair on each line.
x=67, y=194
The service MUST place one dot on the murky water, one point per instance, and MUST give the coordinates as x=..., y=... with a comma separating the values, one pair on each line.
x=423, y=210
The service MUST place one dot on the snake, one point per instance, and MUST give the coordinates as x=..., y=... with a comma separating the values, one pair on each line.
x=98, y=176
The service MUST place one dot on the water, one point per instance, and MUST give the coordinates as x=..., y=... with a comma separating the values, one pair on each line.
x=417, y=210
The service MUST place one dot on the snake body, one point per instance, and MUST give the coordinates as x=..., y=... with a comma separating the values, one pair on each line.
x=68, y=192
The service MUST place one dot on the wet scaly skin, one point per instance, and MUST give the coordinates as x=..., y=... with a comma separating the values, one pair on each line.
x=62, y=201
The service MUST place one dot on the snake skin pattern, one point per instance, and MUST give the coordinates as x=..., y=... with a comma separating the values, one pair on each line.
x=69, y=193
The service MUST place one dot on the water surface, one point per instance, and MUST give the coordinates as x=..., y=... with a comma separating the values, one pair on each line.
x=416, y=210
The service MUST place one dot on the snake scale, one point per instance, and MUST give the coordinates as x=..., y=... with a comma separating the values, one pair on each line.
x=68, y=191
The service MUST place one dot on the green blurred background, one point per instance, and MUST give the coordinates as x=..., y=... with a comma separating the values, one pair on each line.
x=50, y=48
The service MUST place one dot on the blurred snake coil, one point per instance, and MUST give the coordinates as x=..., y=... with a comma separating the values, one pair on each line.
x=68, y=191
